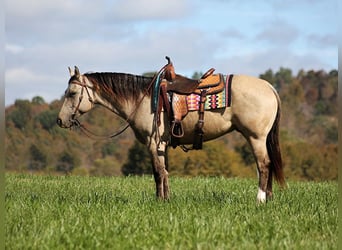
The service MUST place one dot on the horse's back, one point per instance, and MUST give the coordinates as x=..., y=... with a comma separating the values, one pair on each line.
x=251, y=87
x=253, y=110
x=254, y=103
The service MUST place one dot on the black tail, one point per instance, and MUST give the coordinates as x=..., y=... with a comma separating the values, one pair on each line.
x=273, y=149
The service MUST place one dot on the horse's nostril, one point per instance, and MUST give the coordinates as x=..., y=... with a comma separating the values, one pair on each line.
x=59, y=122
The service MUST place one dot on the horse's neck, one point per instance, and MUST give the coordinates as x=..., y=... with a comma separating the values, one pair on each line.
x=125, y=110
x=128, y=107
x=115, y=108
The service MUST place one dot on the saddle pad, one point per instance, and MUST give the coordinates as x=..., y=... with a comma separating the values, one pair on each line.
x=216, y=101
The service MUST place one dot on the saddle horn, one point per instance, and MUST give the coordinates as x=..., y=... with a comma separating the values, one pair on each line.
x=168, y=60
x=169, y=70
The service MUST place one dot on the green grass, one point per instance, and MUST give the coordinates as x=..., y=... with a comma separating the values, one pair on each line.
x=49, y=212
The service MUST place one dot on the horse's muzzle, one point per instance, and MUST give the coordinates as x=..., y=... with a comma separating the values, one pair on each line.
x=59, y=122
x=71, y=123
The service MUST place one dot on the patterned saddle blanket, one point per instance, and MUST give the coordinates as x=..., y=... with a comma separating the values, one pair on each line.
x=213, y=101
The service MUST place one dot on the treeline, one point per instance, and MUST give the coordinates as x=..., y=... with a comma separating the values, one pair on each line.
x=308, y=140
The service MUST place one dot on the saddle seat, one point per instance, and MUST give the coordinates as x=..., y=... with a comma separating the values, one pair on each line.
x=182, y=85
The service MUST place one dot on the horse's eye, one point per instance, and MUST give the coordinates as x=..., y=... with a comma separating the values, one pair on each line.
x=71, y=94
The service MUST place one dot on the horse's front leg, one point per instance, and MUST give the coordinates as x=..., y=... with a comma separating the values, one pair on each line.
x=159, y=163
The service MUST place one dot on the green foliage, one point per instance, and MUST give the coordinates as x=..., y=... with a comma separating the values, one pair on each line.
x=108, y=166
x=66, y=162
x=245, y=153
x=109, y=148
x=47, y=119
x=268, y=76
x=308, y=162
x=279, y=79
x=216, y=159
x=283, y=76
x=22, y=115
x=196, y=75
x=138, y=162
x=38, y=159
x=68, y=212
x=19, y=119
x=38, y=100
x=150, y=74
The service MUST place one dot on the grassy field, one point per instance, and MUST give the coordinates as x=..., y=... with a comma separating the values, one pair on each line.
x=49, y=212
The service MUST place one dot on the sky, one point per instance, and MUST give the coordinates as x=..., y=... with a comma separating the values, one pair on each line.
x=44, y=37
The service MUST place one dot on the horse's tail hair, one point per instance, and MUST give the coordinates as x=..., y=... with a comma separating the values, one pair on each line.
x=273, y=148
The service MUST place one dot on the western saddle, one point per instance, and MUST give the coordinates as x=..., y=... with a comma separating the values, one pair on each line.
x=176, y=88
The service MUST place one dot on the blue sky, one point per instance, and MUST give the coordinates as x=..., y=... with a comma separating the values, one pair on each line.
x=43, y=38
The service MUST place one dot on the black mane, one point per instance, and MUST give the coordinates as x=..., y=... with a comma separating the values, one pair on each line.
x=120, y=86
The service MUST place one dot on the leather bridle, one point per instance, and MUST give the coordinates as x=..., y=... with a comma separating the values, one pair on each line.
x=84, y=86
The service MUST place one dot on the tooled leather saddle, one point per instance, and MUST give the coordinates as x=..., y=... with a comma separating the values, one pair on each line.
x=174, y=91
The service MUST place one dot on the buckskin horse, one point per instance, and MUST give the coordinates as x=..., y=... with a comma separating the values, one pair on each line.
x=254, y=112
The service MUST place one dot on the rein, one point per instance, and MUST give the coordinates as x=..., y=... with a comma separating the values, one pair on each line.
x=86, y=131
x=94, y=136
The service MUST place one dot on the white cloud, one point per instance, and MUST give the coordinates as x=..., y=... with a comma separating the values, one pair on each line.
x=322, y=40
x=257, y=62
x=13, y=48
x=149, y=9
x=37, y=9
x=278, y=32
x=25, y=84
x=45, y=37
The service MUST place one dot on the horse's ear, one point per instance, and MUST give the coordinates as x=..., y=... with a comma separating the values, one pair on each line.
x=77, y=72
x=71, y=71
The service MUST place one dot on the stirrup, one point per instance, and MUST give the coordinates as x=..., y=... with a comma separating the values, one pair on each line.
x=177, y=129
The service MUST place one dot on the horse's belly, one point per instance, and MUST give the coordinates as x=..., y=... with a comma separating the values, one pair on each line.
x=216, y=124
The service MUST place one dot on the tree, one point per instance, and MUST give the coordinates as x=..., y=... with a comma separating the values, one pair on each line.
x=139, y=160
x=108, y=166
x=47, y=119
x=246, y=153
x=268, y=76
x=22, y=114
x=150, y=74
x=66, y=162
x=283, y=76
x=109, y=149
x=38, y=100
x=197, y=75
x=38, y=159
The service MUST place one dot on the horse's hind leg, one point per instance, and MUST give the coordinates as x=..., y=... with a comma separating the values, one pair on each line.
x=158, y=153
x=263, y=165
